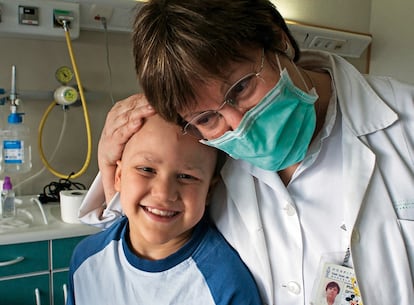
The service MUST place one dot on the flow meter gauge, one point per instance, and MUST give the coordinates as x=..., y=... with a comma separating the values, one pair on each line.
x=64, y=75
x=65, y=95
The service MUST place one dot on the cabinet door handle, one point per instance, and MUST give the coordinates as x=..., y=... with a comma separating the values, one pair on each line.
x=65, y=293
x=37, y=296
x=12, y=262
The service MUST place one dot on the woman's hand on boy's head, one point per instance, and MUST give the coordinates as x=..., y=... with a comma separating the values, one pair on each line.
x=123, y=120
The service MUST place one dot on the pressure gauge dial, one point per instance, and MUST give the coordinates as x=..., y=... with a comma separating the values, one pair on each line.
x=65, y=95
x=64, y=75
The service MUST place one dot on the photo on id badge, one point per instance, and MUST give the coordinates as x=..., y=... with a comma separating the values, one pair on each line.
x=337, y=286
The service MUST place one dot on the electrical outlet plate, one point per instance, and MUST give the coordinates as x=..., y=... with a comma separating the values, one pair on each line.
x=44, y=26
x=97, y=12
x=343, y=43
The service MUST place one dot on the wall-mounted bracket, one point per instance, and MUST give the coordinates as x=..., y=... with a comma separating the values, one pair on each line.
x=344, y=43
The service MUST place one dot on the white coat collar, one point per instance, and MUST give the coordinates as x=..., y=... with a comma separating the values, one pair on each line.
x=352, y=87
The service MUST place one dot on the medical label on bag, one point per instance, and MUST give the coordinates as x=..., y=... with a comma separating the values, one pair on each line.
x=13, y=151
x=337, y=285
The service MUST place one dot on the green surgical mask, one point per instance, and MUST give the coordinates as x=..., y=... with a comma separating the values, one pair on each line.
x=276, y=133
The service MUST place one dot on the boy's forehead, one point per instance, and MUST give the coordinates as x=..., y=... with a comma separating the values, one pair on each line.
x=156, y=129
x=152, y=129
x=163, y=142
x=155, y=126
x=157, y=122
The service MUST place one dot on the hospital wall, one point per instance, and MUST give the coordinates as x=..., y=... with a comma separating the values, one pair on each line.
x=389, y=22
x=37, y=60
x=392, y=25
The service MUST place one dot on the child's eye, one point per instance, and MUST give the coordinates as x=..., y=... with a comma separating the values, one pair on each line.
x=186, y=177
x=146, y=170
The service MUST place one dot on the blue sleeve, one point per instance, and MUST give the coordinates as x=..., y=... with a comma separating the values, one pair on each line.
x=228, y=278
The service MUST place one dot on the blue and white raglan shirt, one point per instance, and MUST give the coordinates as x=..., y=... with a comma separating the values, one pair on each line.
x=205, y=271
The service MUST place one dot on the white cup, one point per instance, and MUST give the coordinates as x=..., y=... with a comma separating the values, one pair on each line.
x=70, y=202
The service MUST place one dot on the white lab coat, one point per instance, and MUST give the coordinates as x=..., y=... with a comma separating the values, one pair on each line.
x=378, y=163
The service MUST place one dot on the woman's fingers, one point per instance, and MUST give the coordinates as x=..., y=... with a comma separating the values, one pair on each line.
x=123, y=120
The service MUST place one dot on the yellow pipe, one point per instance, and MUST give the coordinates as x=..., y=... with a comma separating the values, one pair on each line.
x=86, y=116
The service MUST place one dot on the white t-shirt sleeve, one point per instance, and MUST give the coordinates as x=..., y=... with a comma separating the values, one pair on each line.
x=94, y=211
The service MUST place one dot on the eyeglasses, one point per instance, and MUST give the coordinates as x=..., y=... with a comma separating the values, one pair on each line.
x=210, y=124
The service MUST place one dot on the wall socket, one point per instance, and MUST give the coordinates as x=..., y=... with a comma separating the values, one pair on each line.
x=97, y=12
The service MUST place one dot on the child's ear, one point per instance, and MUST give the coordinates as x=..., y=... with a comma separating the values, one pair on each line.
x=117, y=182
x=213, y=183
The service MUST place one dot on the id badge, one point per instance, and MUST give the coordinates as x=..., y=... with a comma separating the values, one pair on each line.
x=336, y=285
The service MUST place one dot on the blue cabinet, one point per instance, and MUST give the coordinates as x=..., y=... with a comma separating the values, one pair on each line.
x=35, y=272
x=59, y=281
x=61, y=253
x=29, y=289
x=24, y=258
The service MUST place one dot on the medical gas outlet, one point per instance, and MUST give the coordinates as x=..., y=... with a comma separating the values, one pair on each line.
x=65, y=95
x=39, y=18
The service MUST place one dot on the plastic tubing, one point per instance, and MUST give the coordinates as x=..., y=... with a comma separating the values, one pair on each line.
x=85, y=114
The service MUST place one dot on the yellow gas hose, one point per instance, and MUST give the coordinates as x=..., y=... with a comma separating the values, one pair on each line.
x=85, y=114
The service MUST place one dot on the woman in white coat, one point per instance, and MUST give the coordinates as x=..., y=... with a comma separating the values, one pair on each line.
x=321, y=171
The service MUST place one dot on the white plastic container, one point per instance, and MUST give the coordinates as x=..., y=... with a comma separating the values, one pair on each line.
x=17, y=151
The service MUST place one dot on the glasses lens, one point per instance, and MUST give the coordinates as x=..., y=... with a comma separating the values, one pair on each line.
x=205, y=125
x=206, y=120
x=192, y=131
x=239, y=93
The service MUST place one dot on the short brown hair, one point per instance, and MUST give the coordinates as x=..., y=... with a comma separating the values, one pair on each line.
x=178, y=44
x=331, y=285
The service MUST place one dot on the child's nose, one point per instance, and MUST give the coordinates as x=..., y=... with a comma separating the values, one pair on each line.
x=165, y=189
